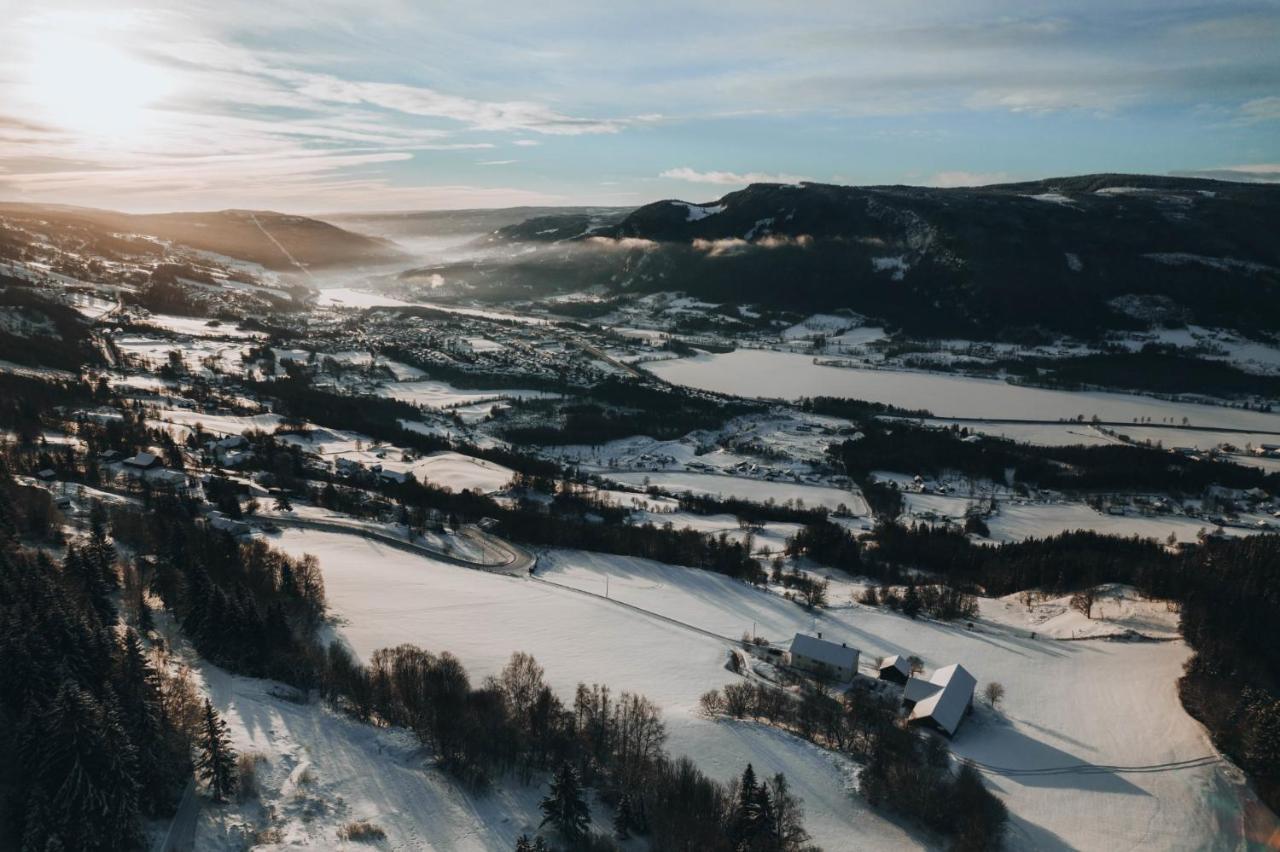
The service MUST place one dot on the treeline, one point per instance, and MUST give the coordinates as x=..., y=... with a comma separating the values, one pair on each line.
x=855, y=409
x=619, y=408
x=1155, y=368
x=93, y=738
x=1108, y=467
x=515, y=723
x=903, y=772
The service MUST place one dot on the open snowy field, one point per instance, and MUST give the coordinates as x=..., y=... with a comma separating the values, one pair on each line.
x=384, y=597
x=1068, y=703
x=787, y=375
x=433, y=394
x=757, y=490
x=1018, y=521
x=197, y=327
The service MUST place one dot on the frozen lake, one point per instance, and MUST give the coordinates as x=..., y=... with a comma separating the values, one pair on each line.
x=789, y=375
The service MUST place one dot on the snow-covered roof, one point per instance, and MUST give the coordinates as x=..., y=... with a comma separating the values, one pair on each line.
x=896, y=662
x=142, y=460
x=947, y=705
x=918, y=689
x=822, y=651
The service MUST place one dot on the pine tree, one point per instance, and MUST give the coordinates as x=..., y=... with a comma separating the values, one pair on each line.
x=216, y=762
x=745, y=810
x=911, y=601
x=83, y=792
x=624, y=819
x=564, y=807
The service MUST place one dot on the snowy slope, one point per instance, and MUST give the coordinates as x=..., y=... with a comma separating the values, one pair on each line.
x=1068, y=703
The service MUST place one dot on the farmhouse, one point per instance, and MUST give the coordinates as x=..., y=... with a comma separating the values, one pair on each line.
x=817, y=656
x=895, y=669
x=142, y=461
x=219, y=521
x=941, y=701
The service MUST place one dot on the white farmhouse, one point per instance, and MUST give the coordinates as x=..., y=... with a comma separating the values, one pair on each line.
x=817, y=656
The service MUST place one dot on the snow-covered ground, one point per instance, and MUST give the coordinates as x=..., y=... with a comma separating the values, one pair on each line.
x=1067, y=704
x=322, y=770
x=758, y=490
x=383, y=597
x=788, y=375
x=1017, y=521
x=434, y=394
x=1116, y=610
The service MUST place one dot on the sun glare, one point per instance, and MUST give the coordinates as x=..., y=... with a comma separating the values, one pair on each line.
x=81, y=85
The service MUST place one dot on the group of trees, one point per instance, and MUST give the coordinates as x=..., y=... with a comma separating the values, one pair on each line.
x=514, y=723
x=1107, y=467
x=245, y=606
x=902, y=771
x=936, y=600
x=93, y=736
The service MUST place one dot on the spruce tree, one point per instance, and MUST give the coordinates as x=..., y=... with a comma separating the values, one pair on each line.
x=624, y=819
x=216, y=762
x=83, y=792
x=564, y=807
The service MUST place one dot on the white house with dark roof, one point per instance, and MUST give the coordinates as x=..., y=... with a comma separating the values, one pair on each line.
x=818, y=656
x=941, y=701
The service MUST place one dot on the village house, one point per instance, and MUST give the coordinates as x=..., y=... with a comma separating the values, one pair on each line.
x=817, y=656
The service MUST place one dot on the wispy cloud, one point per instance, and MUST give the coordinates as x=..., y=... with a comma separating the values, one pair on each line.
x=495, y=162
x=1250, y=173
x=722, y=178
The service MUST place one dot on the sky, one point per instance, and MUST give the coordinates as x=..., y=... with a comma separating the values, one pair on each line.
x=322, y=106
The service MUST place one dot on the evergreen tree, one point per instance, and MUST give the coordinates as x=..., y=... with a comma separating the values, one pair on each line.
x=83, y=793
x=216, y=762
x=564, y=807
x=911, y=601
x=624, y=819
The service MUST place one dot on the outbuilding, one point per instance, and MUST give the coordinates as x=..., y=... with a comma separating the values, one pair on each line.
x=896, y=669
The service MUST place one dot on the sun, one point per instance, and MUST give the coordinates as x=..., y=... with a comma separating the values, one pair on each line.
x=82, y=85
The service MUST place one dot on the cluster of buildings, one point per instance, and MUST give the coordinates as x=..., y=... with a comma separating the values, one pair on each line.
x=940, y=701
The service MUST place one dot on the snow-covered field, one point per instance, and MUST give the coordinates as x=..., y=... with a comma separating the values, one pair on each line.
x=384, y=597
x=1018, y=521
x=196, y=327
x=788, y=375
x=434, y=394
x=461, y=473
x=758, y=490
x=1067, y=703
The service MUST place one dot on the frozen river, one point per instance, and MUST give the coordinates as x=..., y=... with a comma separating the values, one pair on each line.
x=788, y=375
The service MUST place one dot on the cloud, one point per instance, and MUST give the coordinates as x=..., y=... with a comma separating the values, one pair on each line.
x=961, y=178
x=1260, y=109
x=737, y=245
x=526, y=143
x=1250, y=173
x=622, y=243
x=495, y=162
x=685, y=173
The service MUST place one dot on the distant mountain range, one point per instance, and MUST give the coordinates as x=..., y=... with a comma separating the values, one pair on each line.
x=277, y=241
x=1075, y=255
